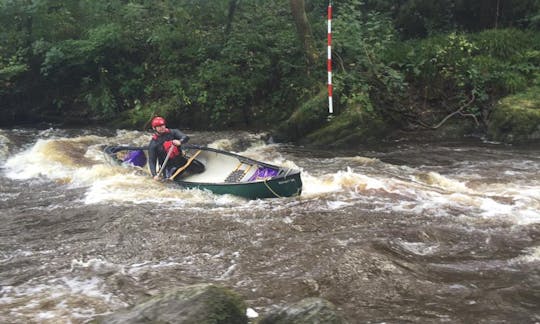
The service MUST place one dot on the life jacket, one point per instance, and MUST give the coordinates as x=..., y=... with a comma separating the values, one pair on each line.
x=175, y=151
x=166, y=144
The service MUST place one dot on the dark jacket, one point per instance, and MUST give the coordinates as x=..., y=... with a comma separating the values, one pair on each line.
x=157, y=152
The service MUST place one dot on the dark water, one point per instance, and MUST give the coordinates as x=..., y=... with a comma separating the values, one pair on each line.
x=402, y=233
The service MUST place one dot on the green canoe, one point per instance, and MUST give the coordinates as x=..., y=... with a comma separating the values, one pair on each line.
x=225, y=173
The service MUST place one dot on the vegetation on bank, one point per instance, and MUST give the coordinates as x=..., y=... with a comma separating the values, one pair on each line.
x=516, y=118
x=408, y=65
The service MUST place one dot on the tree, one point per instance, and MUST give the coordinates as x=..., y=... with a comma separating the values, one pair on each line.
x=232, y=8
x=303, y=29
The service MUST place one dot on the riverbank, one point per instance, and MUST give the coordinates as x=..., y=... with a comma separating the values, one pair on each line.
x=513, y=119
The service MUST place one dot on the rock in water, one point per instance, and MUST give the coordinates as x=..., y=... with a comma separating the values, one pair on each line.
x=197, y=304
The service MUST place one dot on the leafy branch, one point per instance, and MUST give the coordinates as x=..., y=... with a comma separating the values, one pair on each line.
x=457, y=112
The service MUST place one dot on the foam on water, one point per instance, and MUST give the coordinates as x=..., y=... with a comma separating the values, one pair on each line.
x=134, y=269
x=51, y=158
x=82, y=288
x=8, y=196
x=96, y=266
x=431, y=192
x=347, y=180
x=422, y=192
x=251, y=313
x=79, y=162
x=437, y=180
x=141, y=189
x=419, y=248
x=222, y=144
x=62, y=299
x=4, y=148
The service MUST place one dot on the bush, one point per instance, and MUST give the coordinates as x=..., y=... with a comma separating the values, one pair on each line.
x=517, y=118
x=447, y=70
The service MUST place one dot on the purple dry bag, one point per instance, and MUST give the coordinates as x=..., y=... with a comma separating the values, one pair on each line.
x=263, y=173
x=136, y=158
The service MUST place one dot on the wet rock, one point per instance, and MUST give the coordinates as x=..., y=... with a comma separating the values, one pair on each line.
x=306, y=311
x=306, y=119
x=310, y=125
x=354, y=126
x=197, y=304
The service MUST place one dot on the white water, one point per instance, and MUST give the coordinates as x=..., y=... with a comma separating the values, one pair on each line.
x=79, y=162
x=502, y=189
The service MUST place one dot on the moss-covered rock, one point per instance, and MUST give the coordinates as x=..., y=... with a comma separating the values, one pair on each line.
x=306, y=119
x=197, y=304
x=355, y=125
x=311, y=125
x=516, y=118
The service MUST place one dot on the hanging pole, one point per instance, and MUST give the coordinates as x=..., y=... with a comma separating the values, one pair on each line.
x=329, y=58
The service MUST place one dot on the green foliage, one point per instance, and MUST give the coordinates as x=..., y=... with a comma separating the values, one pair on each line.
x=222, y=78
x=81, y=53
x=362, y=39
x=101, y=100
x=11, y=68
x=517, y=117
x=507, y=59
x=502, y=44
x=448, y=70
x=423, y=18
x=251, y=71
x=204, y=64
x=442, y=59
x=55, y=20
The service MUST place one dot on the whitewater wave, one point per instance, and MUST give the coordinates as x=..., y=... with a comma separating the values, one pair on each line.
x=79, y=162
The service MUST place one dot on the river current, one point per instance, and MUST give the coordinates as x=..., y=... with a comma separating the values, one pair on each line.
x=404, y=232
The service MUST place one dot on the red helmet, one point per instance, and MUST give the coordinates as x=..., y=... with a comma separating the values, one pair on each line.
x=158, y=121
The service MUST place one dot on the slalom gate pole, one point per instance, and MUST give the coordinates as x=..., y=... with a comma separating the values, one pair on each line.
x=329, y=59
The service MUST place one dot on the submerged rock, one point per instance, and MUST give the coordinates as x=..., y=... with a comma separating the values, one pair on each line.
x=306, y=311
x=197, y=304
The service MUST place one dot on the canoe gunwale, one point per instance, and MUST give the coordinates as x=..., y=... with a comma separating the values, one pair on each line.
x=287, y=182
x=283, y=173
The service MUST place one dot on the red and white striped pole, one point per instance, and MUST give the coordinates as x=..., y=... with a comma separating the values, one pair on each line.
x=329, y=58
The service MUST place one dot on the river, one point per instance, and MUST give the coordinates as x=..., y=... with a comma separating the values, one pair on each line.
x=403, y=232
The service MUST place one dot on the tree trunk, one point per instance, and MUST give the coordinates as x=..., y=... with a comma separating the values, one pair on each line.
x=304, y=31
x=487, y=13
x=232, y=9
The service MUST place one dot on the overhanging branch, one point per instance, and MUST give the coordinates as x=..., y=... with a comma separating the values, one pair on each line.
x=457, y=112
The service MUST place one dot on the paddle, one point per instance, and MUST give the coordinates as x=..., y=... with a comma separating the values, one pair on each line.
x=166, y=160
x=185, y=165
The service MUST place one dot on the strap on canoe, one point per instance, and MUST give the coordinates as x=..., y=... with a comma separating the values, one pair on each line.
x=246, y=170
x=185, y=165
x=238, y=166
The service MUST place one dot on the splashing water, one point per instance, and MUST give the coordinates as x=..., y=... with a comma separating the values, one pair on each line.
x=380, y=233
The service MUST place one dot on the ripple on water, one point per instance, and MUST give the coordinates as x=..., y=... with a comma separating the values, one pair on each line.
x=441, y=234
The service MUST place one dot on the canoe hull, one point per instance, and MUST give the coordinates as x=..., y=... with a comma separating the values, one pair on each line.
x=288, y=186
x=230, y=173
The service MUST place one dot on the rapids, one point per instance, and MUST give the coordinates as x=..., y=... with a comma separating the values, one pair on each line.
x=404, y=232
